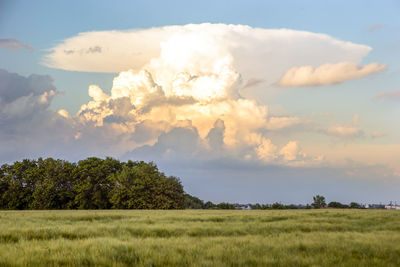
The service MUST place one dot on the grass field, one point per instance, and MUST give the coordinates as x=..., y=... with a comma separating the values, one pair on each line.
x=200, y=238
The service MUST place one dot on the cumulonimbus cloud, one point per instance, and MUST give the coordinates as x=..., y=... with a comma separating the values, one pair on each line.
x=327, y=74
x=189, y=77
x=182, y=84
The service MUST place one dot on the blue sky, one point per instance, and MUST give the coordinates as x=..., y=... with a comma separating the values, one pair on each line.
x=352, y=123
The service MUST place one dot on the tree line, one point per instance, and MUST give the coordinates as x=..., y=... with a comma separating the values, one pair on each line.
x=92, y=183
x=318, y=203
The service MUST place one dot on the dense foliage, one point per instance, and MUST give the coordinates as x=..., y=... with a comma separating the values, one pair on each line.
x=92, y=183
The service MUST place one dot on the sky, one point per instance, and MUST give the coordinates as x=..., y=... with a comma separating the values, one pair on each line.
x=244, y=101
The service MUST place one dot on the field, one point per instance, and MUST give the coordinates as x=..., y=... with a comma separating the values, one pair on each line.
x=200, y=238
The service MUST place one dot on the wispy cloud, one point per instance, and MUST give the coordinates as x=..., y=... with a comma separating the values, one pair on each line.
x=378, y=134
x=374, y=27
x=327, y=74
x=345, y=131
x=394, y=95
x=14, y=44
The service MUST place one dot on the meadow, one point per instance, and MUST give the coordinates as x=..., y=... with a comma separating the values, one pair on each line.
x=200, y=238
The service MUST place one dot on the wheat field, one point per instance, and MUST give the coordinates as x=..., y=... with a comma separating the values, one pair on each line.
x=200, y=238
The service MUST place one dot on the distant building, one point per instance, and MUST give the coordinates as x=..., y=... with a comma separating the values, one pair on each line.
x=374, y=206
x=392, y=207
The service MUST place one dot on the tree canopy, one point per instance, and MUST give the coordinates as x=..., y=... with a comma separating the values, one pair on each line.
x=92, y=183
x=319, y=202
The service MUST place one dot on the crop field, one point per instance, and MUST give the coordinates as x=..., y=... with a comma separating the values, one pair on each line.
x=200, y=238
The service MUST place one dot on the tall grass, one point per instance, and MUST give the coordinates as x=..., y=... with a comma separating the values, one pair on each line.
x=200, y=238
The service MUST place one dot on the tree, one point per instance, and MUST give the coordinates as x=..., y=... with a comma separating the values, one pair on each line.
x=92, y=184
x=142, y=186
x=17, y=185
x=319, y=202
x=337, y=205
x=209, y=205
x=354, y=205
x=53, y=189
x=225, y=206
x=192, y=202
x=277, y=206
x=256, y=206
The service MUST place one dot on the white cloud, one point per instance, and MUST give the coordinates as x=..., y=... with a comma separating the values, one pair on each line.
x=327, y=74
x=267, y=151
x=292, y=151
x=345, y=131
x=180, y=99
x=277, y=123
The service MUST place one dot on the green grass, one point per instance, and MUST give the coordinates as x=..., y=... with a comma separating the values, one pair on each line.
x=200, y=238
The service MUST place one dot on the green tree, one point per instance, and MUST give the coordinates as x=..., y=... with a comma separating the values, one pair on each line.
x=256, y=206
x=141, y=186
x=192, y=202
x=277, y=206
x=319, y=202
x=92, y=182
x=225, y=206
x=209, y=205
x=54, y=182
x=354, y=205
x=18, y=184
x=337, y=205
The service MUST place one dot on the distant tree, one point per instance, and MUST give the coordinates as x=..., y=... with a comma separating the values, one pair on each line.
x=256, y=206
x=209, y=205
x=337, y=205
x=225, y=206
x=319, y=202
x=354, y=205
x=265, y=207
x=277, y=206
x=192, y=202
x=292, y=206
